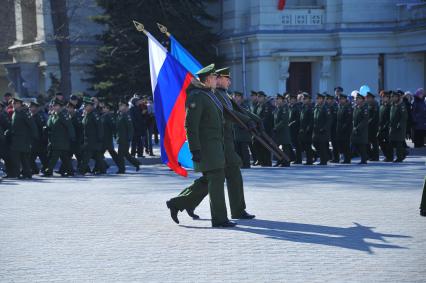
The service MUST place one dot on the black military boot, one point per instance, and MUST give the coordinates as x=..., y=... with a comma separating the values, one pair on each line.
x=173, y=211
x=227, y=224
x=423, y=212
x=192, y=214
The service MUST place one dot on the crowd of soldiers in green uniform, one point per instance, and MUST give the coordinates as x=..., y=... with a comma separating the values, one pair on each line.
x=68, y=131
x=353, y=128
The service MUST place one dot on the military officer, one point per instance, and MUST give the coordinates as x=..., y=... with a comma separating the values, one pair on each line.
x=333, y=107
x=61, y=135
x=281, y=129
x=264, y=112
x=76, y=121
x=383, y=129
x=253, y=109
x=359, y=136
x=373, y=127
x=124, y=137
x=344, y=127
x=39, y=147
x=397, y=126
x=92, y=138
x=109, y=130
x=242, y=136
x=306, y=127
x=321, y=128
x=4, y=125
x=21, y=134
x=204, y=127
x=294, y=125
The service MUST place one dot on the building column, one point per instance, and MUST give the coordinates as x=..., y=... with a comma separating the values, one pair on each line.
x=283, y=74
x=19, y=27
x=40, y=20
x=324, y=73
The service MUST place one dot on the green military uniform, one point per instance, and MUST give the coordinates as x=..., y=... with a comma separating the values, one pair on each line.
x=92, y=141
x=253, y=109
x=383, y=131
x=294, y=125
x=204, y=127
x=4, y=145
x=61, y=134
x=397, y=129
x=242, y=140
x=109, y=127
x=373, y=127
x=264, y=112
x=281, y=131
x=333, y=108
x=359, y=136
x=75, y=150
x=124, y=136
x=39, y=147
x=344, y=130
x=23, y=132
x=321, y=131
x=234, y=180
x=305, y=131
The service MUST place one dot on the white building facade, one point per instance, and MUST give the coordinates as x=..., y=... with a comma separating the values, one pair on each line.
x=33, y=55
x=316, y=45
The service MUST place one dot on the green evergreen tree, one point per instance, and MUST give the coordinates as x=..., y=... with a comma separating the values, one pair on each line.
x=122, y=67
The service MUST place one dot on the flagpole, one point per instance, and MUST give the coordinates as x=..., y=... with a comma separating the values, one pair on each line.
x=163, y=29
x=140, y=27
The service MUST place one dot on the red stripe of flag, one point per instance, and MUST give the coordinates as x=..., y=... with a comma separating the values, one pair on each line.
x=281, y=5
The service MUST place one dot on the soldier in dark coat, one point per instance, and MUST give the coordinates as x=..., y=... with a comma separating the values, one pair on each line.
x=333, y=107
x=76, y=120
x=294, y=125
x=383, y=131
x=204, y=126
x=397, y=126
x=61, y=135
x=109, y=130
x=281, y=130
x=92, y=138
x=423, y=202
x=39, y=147
x=306, y=128
x=253, y=109
x=5, y=125
x=321, y=128
x=124, y=137
x=359, y=137
x=242, y=136
x=22, y=133
x=373, y=127
x=139, y=126
x=264, y=112
x=344, y=127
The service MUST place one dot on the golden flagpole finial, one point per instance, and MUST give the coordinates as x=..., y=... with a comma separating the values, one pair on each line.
x=163, y=29
x=139, y=26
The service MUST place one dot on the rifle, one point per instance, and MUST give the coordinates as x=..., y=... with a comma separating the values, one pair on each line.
x=263, y=138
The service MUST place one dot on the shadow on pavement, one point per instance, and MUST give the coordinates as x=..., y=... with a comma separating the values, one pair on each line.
x=354, y=238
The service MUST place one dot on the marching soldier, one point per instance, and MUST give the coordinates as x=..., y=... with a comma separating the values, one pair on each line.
x=373, y=127
x=383, y=130
x=109, y=130
x=423, y=202
x=61, y=135
x=204, y=127
x=333, y=107
x=242, y=136
x=359, y=137
x=344, y=127
x=78, y=128
x=397, y=128
x=39, y=147
x=306, y=127
x=4, y=144
x=281, y=129
x=294, y=125
x=321, y=128
x=253, y=109
x=92, y=138
x=124, y=137
x=21, y=134
x=264, y=112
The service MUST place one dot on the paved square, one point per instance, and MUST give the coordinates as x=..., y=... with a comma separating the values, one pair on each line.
x=341, y=223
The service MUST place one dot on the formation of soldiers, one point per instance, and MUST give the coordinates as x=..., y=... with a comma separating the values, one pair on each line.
x=83, y=128
x=355, y=125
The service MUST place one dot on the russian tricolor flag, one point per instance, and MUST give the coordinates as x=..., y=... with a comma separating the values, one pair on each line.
x=169, y=81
